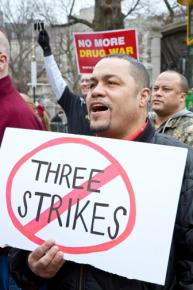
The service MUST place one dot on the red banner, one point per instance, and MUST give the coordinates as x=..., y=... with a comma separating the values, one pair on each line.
x=91, y=47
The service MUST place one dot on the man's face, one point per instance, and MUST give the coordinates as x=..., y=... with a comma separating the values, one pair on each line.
x=4, y=55
x=3, y=64
x=167, y=97
x=113, y=101
x=84, y=84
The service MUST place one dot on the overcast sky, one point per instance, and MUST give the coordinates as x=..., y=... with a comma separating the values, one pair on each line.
x=156, y=7
x=154, y=4
x=83, y=4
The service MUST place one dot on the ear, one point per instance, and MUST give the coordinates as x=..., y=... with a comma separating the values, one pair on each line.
x=3, y=61
x=144, y=97
x=182, y=97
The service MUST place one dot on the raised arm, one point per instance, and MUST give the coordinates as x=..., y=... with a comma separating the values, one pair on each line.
x=55, y=78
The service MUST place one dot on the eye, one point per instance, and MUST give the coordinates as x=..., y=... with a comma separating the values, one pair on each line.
x=167, y=89
x=155, y=89
x=84, y=81
x=92, y=85
x=111, y=82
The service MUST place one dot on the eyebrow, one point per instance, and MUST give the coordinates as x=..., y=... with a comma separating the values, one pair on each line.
x=105, y=77
x=163, y=86
x=83, y=79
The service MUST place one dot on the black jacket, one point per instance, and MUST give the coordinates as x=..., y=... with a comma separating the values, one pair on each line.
x=76, y=112
x=73, y=276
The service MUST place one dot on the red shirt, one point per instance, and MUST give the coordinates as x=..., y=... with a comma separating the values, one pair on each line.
x=14, y=111
x=137, y=133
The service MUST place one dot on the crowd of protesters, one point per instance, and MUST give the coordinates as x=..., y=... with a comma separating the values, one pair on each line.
x=113, y=104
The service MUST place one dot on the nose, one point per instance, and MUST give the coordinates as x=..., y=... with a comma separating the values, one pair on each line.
x=98, y=90
x=157, y=92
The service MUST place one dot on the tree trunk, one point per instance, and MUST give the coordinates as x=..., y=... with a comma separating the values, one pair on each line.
x=108, y=15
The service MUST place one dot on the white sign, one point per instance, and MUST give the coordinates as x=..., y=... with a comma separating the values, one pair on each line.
x=109, y=203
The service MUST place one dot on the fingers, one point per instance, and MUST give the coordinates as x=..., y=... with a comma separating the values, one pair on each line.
x=41, y=251
x=46, y=260
x=55, y=265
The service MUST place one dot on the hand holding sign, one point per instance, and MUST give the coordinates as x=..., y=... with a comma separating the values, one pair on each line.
x=46, y=260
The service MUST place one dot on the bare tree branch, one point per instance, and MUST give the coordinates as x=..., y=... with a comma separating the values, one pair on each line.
x=71, y=9
x=80, y=20
x=133, y=8
x=74, y=20
x=171, y=11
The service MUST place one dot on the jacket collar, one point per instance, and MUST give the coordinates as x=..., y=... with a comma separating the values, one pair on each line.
x=147, y=134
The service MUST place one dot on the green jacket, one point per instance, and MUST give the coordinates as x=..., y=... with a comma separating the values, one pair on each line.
x=179, y=126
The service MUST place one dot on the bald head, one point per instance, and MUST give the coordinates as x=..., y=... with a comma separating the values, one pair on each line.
x=169, y=94
x=176, y=76
x=4, y=55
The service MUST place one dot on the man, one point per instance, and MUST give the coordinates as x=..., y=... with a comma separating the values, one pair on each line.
x=15, y=113
x=58, y=122
x=117, y=106
x=168, y=102
x=58, y=118
x=74, y=106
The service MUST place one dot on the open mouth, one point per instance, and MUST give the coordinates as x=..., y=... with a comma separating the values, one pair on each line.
x=98, y=108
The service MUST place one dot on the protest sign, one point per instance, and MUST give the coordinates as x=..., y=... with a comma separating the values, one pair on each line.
x=102, y=200
x=91, y=47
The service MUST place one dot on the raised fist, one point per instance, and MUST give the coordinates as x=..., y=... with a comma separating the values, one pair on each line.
x=44, y=42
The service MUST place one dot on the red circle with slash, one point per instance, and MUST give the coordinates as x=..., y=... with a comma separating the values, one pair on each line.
x=117, y=168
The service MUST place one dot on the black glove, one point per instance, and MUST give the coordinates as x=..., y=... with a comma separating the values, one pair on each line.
x=44, y=42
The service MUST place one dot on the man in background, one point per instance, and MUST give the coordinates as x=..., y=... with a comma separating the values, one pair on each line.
x=74, y=106
x=58, y=122
x=58, y=118
x=14, y=112
x=168, y=102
